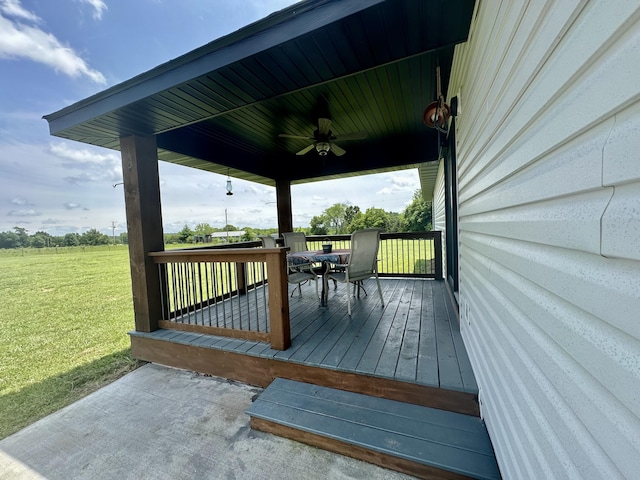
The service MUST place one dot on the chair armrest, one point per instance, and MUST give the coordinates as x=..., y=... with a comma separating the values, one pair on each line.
x=339, y=265
x=299, y=267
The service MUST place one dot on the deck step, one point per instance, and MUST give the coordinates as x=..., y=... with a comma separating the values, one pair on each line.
x=421, y=441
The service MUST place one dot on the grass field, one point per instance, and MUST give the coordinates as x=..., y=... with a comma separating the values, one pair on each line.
x=63, y=334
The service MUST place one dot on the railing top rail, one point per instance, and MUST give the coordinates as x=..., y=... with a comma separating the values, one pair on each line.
x=383, y=236
x=226, y=255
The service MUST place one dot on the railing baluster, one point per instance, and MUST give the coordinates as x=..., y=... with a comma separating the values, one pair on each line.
x=174, y=293
x=201, y=309
x=163, y=281
x=264, y=293
x=254, y=282
x=216, y=280
x=228, y=287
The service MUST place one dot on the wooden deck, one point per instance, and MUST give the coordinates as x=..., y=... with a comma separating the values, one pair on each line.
x=409, y=350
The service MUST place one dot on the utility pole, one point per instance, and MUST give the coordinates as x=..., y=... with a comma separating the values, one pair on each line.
x=113, y=231
x=226, y=224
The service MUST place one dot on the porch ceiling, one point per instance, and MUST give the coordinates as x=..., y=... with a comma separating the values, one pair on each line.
x=368, y=65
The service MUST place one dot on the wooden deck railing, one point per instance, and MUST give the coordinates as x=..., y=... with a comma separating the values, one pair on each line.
x=221, y=289
x=414, y=254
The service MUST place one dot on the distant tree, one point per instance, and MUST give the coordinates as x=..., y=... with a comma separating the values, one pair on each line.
x=336, y=215
x=350, y=214
x=395, y=222
x=417, y=215
x=184, y=235
x=124, y=238
x=372, y=218
x=94, y=237
x=9, y=240
x=319, y=225
x=71, y=240
x=170, y=238
x=37, y=241
x=23, y=236
x=56, y=240
x=40, y=240
x=204, y=229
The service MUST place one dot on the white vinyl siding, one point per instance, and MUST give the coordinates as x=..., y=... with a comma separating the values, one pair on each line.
x=548, y=154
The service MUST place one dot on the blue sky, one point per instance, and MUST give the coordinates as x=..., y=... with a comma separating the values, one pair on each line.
x=55, y=53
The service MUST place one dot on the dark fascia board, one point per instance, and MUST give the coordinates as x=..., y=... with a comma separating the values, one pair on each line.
x=285, y=25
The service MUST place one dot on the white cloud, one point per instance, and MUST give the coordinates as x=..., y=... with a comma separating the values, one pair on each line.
x=71, y=206
x=20, y=201
x=27, y=212
x=12, y=8
x=99, y=7
x=18, y=40
x=93, y=166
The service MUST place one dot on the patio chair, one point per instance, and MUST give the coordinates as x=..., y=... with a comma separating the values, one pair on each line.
x=268, y=241
x=363, y=262
x=297, y=242
x=299, y=273
x=300, y=277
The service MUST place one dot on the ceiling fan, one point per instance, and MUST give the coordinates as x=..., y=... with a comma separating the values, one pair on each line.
x=323, y=139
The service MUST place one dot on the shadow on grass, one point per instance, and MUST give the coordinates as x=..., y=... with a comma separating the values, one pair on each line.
x=22, y=408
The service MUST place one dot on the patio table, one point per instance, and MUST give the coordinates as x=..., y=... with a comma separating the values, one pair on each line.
x=337, y=256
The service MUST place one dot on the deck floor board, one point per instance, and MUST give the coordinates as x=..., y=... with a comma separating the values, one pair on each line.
x=414, y=338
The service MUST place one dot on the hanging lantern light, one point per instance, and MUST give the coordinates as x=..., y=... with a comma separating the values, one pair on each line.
x=229, y=187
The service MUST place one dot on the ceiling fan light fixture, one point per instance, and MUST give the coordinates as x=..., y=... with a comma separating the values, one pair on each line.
x=323, y=148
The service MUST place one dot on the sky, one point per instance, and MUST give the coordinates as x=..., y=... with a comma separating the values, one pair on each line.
x=54, y=53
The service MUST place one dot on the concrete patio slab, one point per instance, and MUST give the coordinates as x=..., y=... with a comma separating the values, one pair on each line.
x=164, y=423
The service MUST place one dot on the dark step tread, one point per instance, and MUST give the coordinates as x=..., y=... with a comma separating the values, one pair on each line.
x=449, y=441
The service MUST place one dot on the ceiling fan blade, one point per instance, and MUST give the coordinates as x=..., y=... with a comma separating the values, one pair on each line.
x=351, y=136
x=301, y=137
x=306, y=149
x=337, y=150
x=324, y=125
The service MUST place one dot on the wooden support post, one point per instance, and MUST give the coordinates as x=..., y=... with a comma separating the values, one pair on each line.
x=283, y=197
x=279, y=300
x=144, y=227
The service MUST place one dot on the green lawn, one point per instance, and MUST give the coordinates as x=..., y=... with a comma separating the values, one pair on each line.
x=64, y=323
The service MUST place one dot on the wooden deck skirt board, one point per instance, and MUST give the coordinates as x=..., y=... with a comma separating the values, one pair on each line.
x=212, y=355
x=422, y=441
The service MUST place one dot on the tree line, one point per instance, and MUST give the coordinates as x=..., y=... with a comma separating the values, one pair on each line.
x=20, y=238
x=335, y=220
x=342, y=219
